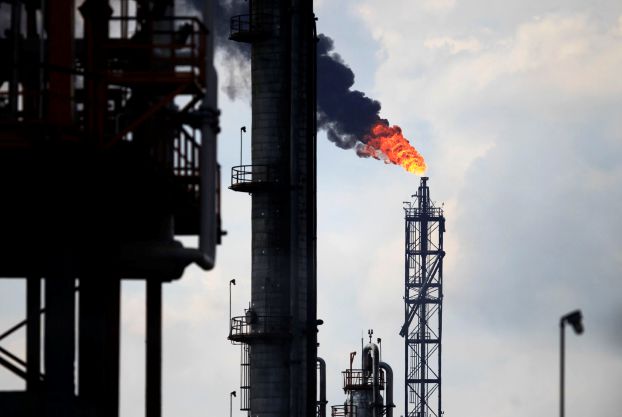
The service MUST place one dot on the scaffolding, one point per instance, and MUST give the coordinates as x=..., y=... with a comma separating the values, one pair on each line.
x=423, y=297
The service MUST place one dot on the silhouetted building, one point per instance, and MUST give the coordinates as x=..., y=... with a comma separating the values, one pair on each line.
x=107, y=153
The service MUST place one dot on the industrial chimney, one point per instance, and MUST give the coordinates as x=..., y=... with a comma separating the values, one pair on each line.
x=278, y=332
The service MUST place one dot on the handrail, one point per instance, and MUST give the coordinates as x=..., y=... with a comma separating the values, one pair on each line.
x=246, y=174
x=431, y=211
x=359, y=378
x=194, y=19
x=348, y=410
x=252, y=325
x=182, y=47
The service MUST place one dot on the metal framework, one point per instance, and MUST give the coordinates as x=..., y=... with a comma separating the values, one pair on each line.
x=108, y=125
x=423, y=297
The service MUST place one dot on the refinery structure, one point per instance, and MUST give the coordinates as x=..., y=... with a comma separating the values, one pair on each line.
x=423, y=304
x=108, y=134
x=278, y=331
x=110, y=122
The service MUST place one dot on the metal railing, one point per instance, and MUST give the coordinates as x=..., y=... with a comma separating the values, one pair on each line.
x=173, y=46
x=251, y=174
x=416, y=211
x=359, y=378
x=253, y=326
x=348, y=410
x=186, y=160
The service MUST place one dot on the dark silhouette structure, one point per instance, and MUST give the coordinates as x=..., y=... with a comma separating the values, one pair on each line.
x=365, y=387
x=278, y=332
x=423, y=304
x=107, y=153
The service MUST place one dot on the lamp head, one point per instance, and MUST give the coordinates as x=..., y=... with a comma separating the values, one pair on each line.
x=243, y=129
x=233, y=393
x=575, y=319
x=232, y=281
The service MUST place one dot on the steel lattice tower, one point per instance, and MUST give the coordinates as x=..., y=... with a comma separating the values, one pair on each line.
x=423, y=302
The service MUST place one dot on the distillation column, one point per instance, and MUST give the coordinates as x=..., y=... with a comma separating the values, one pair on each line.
x=283, y=277
x=423, y=297
x=279, y=329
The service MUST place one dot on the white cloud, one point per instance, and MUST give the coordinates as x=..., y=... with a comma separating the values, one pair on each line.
x=454, y=46
x=522, y=134
x=438, y=6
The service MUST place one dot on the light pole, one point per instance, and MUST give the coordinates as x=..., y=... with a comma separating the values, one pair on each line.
x=575, y=319
x=231, y=395
x=242, y=129
x=232, y=282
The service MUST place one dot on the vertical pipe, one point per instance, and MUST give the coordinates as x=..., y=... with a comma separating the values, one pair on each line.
x=423, y=241
x=33, y=333
x=96, y=14
x=59, y=351
x=209, y=227
x=16, y=31
x=389, y=389
x=154, y=349
x=561, y=367
x=322, y=401
x=60, y=59
x=99, y=310
x=371, y=349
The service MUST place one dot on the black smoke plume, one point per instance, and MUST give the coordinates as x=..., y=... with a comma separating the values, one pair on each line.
x=347, y=115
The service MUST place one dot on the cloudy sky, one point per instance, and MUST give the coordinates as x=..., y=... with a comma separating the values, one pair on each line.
x=517, y=108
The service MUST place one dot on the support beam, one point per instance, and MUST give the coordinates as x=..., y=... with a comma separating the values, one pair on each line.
x=154, y=349
x=33, y=334
x=60, y=57
x=59, y=346
x=99, y=345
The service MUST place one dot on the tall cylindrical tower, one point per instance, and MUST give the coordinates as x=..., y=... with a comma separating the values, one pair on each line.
x=280, y=325
x=423, y=305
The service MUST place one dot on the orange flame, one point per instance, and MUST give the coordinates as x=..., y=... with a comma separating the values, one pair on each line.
x=387, y=143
